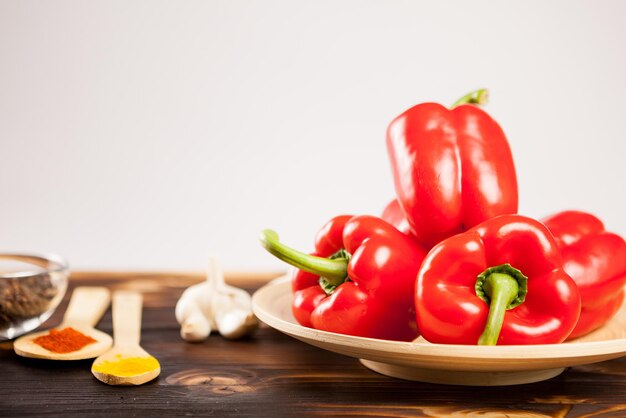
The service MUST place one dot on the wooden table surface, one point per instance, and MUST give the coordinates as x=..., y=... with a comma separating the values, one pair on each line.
x=270, y=374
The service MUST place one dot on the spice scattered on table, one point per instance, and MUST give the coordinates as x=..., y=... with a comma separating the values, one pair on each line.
x=127, y=366
x=64, y=341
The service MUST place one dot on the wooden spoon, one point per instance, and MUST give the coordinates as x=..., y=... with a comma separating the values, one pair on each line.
x=126, y=363
x=86, y=307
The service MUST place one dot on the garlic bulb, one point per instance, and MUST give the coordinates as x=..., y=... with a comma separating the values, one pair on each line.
x=214, y=305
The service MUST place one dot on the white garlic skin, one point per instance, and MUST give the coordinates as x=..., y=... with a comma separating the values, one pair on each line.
x=214, y=305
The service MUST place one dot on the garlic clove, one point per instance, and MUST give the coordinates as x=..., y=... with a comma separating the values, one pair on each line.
x=195, y=328
x=236, y=323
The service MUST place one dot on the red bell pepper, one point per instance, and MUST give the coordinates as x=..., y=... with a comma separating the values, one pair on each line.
x=360, y=280
x=501, y=282
x=452, y=168
x=596, y=260
x=394, y=215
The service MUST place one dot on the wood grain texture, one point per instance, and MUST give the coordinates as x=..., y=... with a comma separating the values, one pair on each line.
x=270, y=374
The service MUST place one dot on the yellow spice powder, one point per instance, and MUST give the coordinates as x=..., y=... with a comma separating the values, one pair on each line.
x=130, y=366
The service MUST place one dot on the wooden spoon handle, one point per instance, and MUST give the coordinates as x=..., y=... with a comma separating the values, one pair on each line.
x=87, y=305
x=126, y=318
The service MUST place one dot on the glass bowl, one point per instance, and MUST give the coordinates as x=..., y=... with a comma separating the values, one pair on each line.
x=31, y=288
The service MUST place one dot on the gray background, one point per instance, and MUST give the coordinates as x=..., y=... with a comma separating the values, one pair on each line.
x=147, y=134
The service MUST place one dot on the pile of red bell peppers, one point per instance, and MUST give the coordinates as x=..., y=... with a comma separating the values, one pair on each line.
x=450, y=259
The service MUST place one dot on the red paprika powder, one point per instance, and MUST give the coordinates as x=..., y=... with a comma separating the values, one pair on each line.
x=64, y=341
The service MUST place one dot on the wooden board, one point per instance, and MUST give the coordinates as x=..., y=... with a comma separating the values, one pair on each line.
x=274, y=375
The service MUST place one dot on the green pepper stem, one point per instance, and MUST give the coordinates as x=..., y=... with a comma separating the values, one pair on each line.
x=502, y=287
x=334, y=270
x=478, y=97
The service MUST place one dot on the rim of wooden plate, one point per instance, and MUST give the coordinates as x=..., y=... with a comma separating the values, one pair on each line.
x=272, y=305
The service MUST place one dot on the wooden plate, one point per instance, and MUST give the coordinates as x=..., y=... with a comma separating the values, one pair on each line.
x=443, y=363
